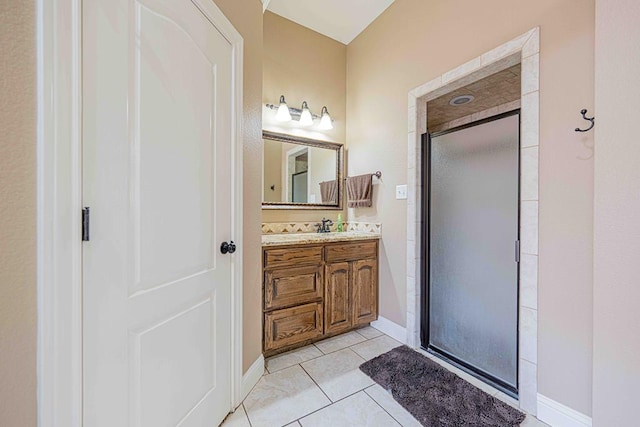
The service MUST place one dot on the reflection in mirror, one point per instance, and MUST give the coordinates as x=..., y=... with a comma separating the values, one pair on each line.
x=301, y=173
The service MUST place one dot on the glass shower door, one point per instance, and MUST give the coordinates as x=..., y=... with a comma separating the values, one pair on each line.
x=472, y=239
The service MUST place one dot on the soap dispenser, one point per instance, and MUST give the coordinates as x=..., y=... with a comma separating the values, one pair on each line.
x=340, y=223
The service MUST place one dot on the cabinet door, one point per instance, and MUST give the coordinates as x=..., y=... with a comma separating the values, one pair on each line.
x=292, y=325
x=364, y=291
x=290, y=286
x=337, y=298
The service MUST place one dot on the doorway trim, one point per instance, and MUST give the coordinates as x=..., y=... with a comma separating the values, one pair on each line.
x=59, y=205
x=525, y=50
x=288, y=175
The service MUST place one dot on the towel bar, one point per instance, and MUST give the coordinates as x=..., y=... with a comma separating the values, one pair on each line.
x=377, y=174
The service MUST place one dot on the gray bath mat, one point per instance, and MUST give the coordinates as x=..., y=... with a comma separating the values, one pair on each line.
x=435, y=396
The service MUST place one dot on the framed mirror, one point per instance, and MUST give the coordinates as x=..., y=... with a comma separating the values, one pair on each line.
x=301, y=173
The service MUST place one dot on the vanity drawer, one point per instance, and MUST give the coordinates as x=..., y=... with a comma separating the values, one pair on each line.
x=290, y=286
x=292, y=325
x=351, y=251
x=292, y=256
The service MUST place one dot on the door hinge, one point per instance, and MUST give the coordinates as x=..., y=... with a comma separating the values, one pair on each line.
x=85, y=224
x=517, y=250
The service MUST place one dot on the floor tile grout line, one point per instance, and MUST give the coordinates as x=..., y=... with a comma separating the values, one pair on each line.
x=333, y=403
x=322, y=353
x=365, y=340
x=381, y=333
x=246, y=414
x=314, y=344
x=313, y=358
x=317, y=385
x=382, y=407
x=314, y=381
x=358, y=343
x=335, y=351
x=323, y=392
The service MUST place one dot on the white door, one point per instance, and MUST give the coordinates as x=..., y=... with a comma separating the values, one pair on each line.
x=157, y=124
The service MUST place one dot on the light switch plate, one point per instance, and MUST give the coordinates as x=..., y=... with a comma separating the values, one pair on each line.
x=401, y=192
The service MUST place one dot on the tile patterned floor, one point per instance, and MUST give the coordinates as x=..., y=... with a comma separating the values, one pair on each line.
x=321, y=385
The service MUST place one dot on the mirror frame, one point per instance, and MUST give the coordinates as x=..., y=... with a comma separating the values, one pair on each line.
x=291, y=139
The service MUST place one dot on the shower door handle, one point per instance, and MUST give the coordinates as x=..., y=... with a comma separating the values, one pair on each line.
x=517, y=250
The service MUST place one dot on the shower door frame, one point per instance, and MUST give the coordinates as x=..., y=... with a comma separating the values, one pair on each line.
x=523, y=49
x=425, y=282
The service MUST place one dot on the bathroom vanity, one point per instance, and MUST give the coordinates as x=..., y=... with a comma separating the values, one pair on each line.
x=316, y=286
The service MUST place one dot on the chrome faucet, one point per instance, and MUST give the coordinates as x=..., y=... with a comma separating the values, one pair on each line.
x=325, y=226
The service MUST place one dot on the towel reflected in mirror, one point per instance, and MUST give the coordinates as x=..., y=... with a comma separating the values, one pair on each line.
x=329, y=191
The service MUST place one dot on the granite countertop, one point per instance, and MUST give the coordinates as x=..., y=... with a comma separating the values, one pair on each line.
x=306, y=238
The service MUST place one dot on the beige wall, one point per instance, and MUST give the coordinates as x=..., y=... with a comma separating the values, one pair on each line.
x=17, y=214
x=303, y=65
x=246, y=17
x=617, y=215
x=414, y=41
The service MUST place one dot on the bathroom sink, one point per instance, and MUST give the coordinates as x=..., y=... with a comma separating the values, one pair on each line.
x=305, y=238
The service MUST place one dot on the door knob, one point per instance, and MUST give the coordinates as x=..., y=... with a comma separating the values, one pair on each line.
x=227, y=248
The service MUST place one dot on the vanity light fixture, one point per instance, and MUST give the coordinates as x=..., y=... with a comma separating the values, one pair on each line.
x=283, y=114
x=325, y=120
x=303, y=115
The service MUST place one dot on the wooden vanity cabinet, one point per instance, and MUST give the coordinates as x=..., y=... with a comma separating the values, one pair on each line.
x=311, y=292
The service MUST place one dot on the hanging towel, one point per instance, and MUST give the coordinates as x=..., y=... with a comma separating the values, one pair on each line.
x=329, y=191
x=359, y=191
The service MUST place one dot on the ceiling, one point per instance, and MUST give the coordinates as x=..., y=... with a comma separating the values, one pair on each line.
x=497, y=89
x=342, y=20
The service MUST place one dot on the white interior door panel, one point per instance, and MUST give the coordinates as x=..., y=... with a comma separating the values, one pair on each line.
x=157, y=129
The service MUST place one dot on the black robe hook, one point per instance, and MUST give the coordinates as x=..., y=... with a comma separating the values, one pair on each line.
x=584, y=116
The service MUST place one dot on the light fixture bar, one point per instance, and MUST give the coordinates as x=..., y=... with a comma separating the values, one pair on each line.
x=297, y=112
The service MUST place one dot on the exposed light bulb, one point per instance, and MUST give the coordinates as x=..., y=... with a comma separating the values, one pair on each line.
x=283, y=114
x=305, y=116
x=325, y=121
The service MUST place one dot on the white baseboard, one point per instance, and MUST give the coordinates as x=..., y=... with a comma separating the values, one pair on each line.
x=558, y=415
x=395, y=331
x=252, y=376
